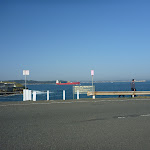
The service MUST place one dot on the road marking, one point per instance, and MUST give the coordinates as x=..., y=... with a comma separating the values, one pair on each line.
x=147, y=115
x=121, y=117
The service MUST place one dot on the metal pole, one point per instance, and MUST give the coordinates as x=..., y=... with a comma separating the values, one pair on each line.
x=63, y=94
x=73, y=91
x=77, y=94
x=34, y=95
x=47, y=95
x=92, y=83
x=25, y=81
x=92, y=88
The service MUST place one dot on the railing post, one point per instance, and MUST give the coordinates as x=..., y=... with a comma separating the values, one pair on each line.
x=133, y=94
x=63, y=94
x=24, y=94
x=77, y=94
x=34, y=95
x=47, y=95
x=93, y=96
x=27, y=95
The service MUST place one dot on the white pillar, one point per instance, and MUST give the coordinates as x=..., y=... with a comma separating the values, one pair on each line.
x=77, y=94
x=24, y=94
x=34, y=95
x=29, y=95
x=63, y=94
x=47, y=95
x=93, y=96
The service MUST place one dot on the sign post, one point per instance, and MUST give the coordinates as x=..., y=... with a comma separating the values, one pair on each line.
x=92, y=74
x=26, y=93
x=25, y=73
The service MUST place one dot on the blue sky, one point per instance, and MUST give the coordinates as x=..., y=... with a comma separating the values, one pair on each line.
x=66, y=39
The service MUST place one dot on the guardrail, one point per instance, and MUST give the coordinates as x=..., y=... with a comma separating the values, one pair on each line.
x=133, y=93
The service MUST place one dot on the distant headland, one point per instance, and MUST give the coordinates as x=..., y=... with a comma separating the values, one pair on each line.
x=31, y=82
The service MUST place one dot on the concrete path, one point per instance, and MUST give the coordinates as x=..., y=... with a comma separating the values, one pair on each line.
x=85, y=124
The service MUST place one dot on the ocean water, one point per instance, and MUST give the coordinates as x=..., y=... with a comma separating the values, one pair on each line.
x=56, y=91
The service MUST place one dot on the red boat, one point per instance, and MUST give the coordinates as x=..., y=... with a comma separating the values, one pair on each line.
x=67, y=83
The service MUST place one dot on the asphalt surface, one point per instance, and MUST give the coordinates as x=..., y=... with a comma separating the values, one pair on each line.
x=86, y=124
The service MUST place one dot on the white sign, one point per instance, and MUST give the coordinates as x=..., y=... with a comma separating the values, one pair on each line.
x=92, y=72
x=83, y=89
x=25, y=72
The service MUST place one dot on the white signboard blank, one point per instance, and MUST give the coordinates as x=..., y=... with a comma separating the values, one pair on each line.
x=25, y=72
x=83, y=89
x=92, y=72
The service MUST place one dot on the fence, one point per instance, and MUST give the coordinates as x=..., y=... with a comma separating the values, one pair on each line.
x=47, y=95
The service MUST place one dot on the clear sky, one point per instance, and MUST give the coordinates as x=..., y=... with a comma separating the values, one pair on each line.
x=65, y=39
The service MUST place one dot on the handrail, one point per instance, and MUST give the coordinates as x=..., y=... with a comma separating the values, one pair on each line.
x=118, y=93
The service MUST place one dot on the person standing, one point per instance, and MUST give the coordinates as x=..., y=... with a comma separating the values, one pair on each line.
x=133, y=86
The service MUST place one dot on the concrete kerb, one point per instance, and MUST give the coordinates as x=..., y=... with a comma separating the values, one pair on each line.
x=82, y=100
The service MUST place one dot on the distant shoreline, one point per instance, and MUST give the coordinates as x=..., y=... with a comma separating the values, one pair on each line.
x=112, y=81
x=33, y=82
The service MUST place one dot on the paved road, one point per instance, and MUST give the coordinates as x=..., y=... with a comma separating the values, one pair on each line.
x=75, y=125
